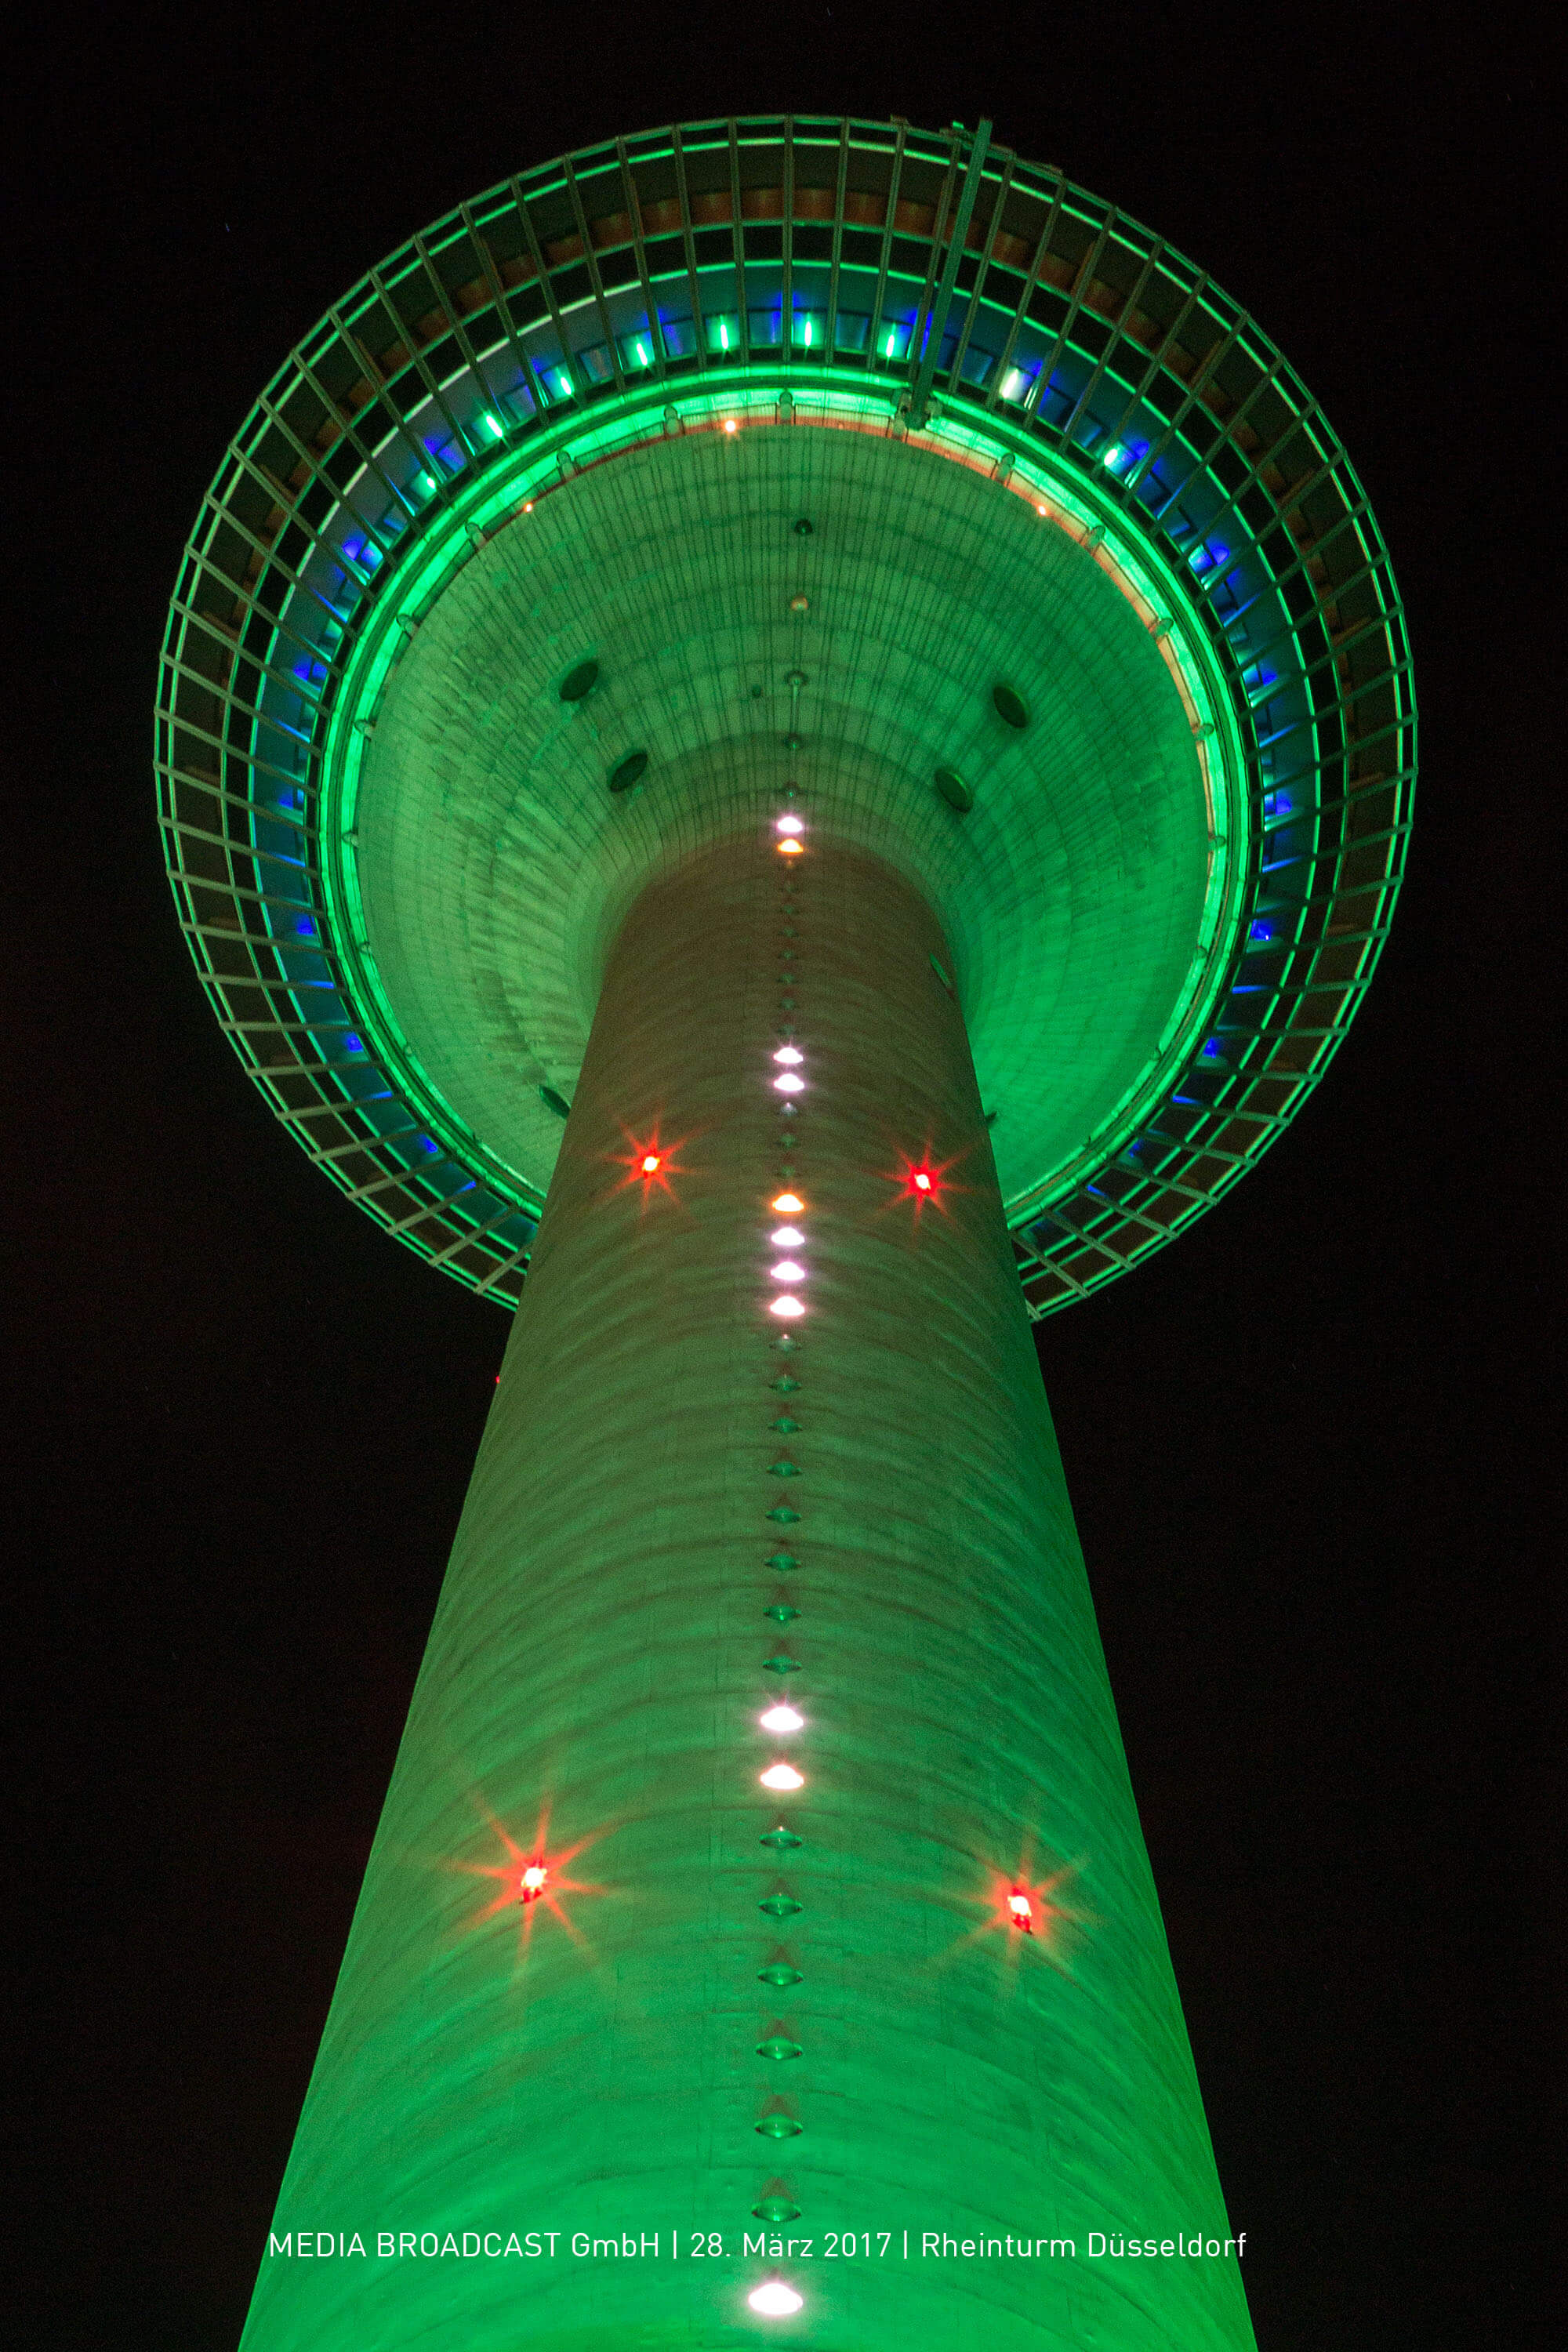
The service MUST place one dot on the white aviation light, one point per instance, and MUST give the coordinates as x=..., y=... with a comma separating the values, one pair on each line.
x=775, y=2301
x=781, y=1719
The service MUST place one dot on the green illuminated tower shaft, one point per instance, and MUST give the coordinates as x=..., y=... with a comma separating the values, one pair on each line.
x=880, y=479
x=687, y=1509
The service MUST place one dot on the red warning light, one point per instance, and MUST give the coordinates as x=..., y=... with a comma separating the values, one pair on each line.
x=925, y=1182
x=1021, y=1911
x=530, y=1882
x=650, y=1159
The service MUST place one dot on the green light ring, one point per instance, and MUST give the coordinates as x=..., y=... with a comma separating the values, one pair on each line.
x=1154, y=586
x=195, y=744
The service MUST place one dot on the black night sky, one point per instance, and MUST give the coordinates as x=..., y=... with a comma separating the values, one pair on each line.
x=1312, y=1446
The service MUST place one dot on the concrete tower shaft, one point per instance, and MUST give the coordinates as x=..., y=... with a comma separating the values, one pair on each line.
x=687, y=1509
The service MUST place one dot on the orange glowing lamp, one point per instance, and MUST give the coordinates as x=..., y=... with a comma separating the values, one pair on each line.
x=650, y=1164
x=1021, y=1911
x=534, y=1879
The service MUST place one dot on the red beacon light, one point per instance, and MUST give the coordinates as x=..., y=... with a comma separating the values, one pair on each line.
x=534, y=1879
x=1021, y=1911
x=650, y=1164
x=922, y=1179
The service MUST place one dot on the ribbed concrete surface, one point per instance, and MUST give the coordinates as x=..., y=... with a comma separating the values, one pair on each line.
x=597, y=1663
x=497, y=868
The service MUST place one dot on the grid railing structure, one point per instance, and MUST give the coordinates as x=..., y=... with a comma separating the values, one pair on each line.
x=651, y=276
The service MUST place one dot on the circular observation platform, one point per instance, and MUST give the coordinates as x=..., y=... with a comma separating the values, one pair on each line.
x=759, y=455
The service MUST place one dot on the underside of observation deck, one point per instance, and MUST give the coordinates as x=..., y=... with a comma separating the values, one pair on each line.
x=954, y=296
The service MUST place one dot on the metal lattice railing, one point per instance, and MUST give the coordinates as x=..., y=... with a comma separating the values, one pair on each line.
x=802, y=253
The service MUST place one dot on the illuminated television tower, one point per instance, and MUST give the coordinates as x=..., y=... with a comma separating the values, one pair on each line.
x=798, y=731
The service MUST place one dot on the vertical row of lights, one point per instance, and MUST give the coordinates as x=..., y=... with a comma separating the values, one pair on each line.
x=789, y=1082
x=788, y=1271
x=788, y=1277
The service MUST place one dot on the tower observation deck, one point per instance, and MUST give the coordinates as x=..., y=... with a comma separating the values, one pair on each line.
x=797, y=731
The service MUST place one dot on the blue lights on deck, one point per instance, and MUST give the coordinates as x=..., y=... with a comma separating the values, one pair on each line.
x=1101, y=421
